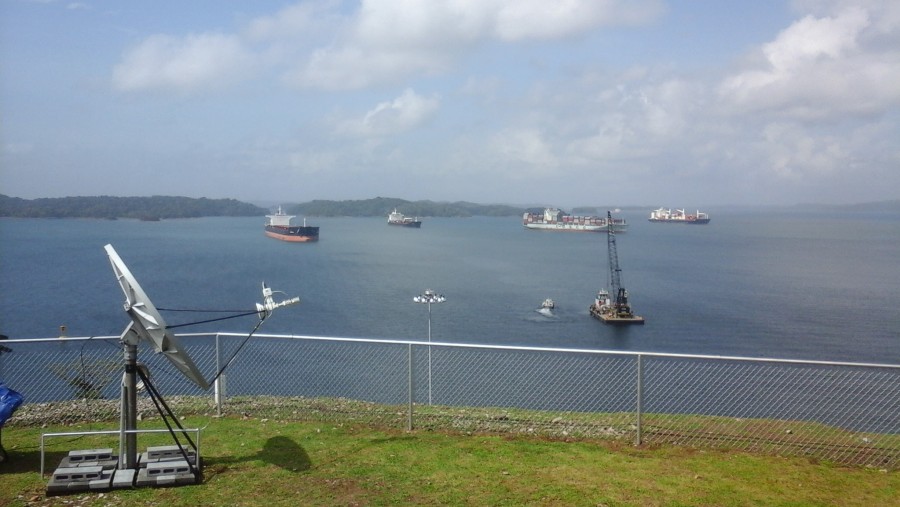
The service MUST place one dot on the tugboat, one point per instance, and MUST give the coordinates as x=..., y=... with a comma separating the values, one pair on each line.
x=397, y=218
x=279, y=227
x=606, y=310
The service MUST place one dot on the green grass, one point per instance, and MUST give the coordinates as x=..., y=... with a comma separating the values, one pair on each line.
x=253, y=462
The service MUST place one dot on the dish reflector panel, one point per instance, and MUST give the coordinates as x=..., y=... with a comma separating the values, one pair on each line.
x=149, y=324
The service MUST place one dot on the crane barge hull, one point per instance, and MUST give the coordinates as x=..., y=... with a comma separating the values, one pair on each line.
x=610, y=317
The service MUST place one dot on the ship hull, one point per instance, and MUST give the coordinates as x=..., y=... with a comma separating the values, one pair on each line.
x=566, y=227
x=680, y=221
x=609, y=316
x=416, y=224
x=293, y=234
x=574, y=227
x=553, y=219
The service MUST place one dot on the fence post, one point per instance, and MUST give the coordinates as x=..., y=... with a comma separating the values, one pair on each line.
x=409, y=359
x=217, y=387
x=640, y=393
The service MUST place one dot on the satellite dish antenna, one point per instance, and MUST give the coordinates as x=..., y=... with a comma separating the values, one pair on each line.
x=146, y=324
x=168, y=467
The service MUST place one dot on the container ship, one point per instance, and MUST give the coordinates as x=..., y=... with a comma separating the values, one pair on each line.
x=678, y=216
x=553, y=219
x=279, y=227
x=397, y=218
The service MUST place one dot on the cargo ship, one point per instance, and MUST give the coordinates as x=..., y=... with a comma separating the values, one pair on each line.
x=279, y=227
x=553, y=219
x=397, y=218
x=678, y=216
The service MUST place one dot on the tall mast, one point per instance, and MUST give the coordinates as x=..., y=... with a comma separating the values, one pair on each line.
x=615, y=274
x=619, y=292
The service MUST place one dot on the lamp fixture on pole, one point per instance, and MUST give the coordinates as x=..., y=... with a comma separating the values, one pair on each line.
x=428, y=298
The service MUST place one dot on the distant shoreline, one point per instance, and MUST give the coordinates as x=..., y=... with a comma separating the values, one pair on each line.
x=168, y=207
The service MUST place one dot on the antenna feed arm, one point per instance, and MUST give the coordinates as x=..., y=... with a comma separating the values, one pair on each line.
x=269, y=305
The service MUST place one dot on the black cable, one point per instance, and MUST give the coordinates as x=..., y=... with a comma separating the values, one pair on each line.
x=213, y=320
x=230, y=359
x=197, y=310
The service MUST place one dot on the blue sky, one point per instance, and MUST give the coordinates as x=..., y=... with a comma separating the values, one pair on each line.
x=566, y=103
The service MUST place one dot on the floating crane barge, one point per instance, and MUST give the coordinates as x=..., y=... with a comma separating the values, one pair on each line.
x=616, y=312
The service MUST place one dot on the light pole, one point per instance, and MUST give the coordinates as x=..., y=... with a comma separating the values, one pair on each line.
x=427, y=298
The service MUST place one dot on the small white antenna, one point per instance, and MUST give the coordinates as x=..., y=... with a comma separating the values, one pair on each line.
x=269, y=305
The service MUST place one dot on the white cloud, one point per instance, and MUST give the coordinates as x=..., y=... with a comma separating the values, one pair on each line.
x=388, y=41
x=810, y=39
x=795, y=153
x=318, y=45
x=439, y=25
x=540, y=19
x=291, y=22
x=182, y=64
x=404, y=113
x=821, y=67
x=631, y=116
x=353, y=67
x=523, y=150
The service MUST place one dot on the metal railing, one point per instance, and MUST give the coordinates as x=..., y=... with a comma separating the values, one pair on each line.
x=847, y=413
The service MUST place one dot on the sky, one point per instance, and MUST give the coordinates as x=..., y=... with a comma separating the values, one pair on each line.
x=558, y=103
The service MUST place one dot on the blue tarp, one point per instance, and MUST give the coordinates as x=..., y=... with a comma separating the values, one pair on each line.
x=9, y=402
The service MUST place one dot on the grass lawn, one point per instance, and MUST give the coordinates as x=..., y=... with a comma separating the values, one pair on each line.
x=252, y=462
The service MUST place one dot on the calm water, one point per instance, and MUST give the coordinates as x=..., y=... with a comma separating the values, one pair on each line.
x=761, y=284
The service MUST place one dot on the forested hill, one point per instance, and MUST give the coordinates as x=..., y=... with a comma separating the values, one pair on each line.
x=144, y=208
x=381, y=206
x=160, y=207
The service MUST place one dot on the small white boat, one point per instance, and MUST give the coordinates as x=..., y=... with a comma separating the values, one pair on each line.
x=548, y=304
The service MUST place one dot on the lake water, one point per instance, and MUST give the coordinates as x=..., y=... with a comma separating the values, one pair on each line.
x=751, y=283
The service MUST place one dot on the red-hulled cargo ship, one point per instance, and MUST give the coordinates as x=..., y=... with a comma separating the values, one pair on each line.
x=279, y=227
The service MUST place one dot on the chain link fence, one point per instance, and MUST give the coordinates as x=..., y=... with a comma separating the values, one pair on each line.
x=842, y=412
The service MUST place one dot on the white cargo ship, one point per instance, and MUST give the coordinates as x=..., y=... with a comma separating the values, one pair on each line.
x=678, y=216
